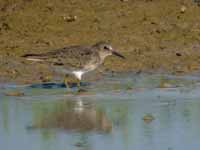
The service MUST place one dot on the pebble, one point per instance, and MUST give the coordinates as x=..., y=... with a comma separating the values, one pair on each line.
x=148, y=118
x=178, y=54
x=70, y=18
x=45, y=78
x=183, y=9
x=165, y=85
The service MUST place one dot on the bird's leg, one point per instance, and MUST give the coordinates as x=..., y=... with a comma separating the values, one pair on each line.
x=79, y=86
x=69, y=80
x=66, y=81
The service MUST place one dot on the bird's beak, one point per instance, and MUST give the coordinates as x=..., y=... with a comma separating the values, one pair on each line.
x=117, y=54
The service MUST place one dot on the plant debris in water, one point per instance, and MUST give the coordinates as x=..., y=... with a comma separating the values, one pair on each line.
x=148, y=118
x=14, y=93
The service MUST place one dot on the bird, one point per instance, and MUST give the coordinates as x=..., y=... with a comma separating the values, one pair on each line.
x=76, y=59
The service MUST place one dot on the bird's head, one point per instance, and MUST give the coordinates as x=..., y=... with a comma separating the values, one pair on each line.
x=105, y=49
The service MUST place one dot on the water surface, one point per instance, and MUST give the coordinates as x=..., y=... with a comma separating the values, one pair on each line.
x=110, y=115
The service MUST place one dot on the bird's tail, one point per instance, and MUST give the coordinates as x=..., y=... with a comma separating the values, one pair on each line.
x=34, y=57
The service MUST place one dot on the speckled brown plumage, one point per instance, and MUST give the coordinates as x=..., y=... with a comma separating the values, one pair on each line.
x=75, y=59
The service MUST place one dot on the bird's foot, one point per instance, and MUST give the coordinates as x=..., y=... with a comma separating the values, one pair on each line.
x=70, y=83
x=81, y=90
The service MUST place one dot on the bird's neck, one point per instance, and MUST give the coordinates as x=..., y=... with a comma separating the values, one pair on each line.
x=103, y=56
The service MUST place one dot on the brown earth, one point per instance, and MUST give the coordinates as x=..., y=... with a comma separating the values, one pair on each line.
x=154, y=35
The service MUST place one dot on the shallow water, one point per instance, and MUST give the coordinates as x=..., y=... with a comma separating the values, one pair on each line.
x=110, y=115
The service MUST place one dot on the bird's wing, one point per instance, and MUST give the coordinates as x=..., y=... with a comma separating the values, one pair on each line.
x=73, y=56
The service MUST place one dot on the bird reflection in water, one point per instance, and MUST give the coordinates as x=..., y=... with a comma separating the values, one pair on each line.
x=75, y=115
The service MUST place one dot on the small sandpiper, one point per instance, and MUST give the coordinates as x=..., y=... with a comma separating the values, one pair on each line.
x=76, y=60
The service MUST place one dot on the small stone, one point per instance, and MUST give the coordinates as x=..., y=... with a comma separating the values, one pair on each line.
x=165, y=85
x=45, y=78
x=79, y=144
x=70, y=18
x=178, y=54
x=148, y=118
x=183, y=9
x=129, y=88
x=14, y=93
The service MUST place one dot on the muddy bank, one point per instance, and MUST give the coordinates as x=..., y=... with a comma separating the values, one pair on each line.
x=153, y=35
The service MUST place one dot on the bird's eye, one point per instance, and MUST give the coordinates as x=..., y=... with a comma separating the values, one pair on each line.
x=105, y=47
